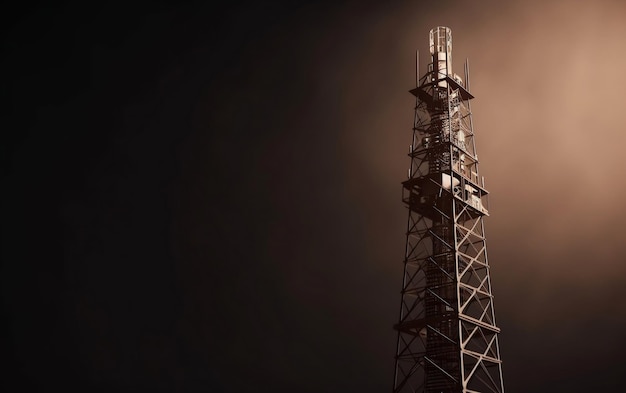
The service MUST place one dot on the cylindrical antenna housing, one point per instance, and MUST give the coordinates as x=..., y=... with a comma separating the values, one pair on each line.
x=441, y=50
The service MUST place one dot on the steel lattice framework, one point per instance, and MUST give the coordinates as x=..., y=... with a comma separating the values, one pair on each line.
x=447, y=333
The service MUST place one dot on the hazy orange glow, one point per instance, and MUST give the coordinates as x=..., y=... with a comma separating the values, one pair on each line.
x=550, y=131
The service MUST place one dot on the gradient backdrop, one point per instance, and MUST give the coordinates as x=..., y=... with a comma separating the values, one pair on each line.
x=207, y=197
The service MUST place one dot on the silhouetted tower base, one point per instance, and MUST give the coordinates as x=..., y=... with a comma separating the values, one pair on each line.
x=447, y=334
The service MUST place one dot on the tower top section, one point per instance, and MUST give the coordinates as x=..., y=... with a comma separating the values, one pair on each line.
x=441, y=40
x=441, y=52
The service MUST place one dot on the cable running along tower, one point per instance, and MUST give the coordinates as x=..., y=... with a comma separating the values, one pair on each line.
x=447, y=333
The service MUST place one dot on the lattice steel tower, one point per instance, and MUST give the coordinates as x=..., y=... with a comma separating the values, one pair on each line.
x=447, y=334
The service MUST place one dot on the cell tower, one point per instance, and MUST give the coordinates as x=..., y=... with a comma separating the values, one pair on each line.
x=447, y=333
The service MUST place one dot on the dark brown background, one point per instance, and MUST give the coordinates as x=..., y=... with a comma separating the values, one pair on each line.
x=207, y=198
